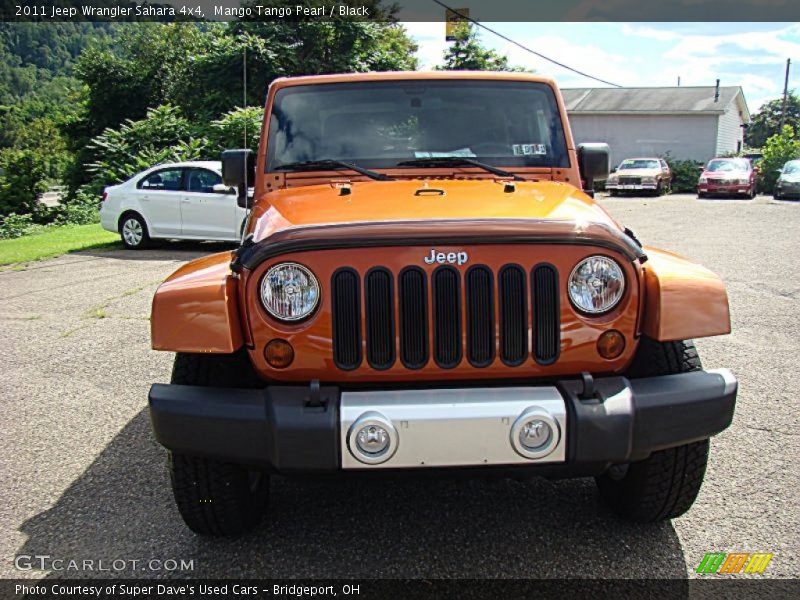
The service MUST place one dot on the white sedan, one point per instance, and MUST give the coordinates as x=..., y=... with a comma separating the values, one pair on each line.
x=173, y=201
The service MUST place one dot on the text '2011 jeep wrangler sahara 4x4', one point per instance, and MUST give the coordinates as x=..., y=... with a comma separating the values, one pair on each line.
x=424, y=285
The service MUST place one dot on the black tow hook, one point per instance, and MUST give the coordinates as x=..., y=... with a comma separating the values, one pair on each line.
x=589, y=392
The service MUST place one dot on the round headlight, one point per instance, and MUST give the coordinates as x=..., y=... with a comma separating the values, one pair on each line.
x=289, y=292
x=596, y=285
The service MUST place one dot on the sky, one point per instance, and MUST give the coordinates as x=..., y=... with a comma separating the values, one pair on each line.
x=752, y=55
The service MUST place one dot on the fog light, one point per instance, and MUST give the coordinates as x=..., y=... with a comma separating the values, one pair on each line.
x=535, y=434
x=279, y=354
x=372, y=439
x=611, y=344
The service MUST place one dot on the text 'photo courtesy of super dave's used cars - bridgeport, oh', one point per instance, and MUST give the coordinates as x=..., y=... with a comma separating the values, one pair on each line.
x=424, y=284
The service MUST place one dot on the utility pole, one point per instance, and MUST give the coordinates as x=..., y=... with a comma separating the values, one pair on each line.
x=785, y=93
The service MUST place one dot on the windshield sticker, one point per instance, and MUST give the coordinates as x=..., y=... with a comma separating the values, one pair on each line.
x=529, y=149
x=460, y=152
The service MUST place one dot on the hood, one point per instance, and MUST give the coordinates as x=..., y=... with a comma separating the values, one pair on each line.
x=790, y=177
x=423, y=200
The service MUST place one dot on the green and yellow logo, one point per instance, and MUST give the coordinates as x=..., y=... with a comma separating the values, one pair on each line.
x=734, y=562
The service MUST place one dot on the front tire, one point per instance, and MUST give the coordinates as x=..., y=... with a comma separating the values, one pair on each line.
x=215, y=497
x=666, y=484
x=133, y=231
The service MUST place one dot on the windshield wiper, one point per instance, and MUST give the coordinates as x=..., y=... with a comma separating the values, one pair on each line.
x=313, y=165
x=456, y=161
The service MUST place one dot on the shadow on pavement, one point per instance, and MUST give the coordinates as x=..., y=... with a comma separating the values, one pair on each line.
x=178, y=250
x=121, y=508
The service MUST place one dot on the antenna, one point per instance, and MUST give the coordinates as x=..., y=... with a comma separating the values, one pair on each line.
x=247, y=158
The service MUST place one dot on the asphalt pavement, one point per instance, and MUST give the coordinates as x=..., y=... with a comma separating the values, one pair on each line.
x=83, y=478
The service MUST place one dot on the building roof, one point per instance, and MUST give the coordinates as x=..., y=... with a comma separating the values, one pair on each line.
x=652, y=100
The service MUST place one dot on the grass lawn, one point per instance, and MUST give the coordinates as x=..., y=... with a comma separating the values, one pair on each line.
x=55, y=241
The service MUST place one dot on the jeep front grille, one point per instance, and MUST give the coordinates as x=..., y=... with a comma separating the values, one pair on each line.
x=513, y=315
x=546, y=322
x=379, y=303
x=447, y=317
x=442, y=339
x=413, y=318
x=480, y=316
x=346, y=301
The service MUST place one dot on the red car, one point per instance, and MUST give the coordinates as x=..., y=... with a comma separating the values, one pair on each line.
x=729, y=177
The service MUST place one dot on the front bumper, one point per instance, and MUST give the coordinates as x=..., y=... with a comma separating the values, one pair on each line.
x=788, y=190
x=724, y=188
x=306, y=429
x=626, y=187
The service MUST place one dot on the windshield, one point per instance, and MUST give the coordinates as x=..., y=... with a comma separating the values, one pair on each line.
x=791, y=168
x=379, y=124
x=722, y=166
x=639, y=163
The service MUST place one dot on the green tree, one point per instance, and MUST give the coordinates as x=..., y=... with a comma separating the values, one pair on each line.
x=766, y=122
x=164, y=135
x=777, y=150
x=24, y=175
x=467, y=53
x=136, y=73
x=230, y=130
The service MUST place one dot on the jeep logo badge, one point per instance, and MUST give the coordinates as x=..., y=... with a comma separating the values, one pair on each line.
x=451, y=258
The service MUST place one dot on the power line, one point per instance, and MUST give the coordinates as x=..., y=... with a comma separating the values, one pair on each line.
x=539, y=54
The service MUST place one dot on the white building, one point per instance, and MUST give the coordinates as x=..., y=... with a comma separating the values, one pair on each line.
x=687, y=122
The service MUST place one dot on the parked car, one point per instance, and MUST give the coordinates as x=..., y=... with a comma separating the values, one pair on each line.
x=640, y=174
x=788, y=184
x=728, y=177
x=184, y=200
x=449, y=300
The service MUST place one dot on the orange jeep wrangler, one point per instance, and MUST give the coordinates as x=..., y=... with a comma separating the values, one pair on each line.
x=426, y=282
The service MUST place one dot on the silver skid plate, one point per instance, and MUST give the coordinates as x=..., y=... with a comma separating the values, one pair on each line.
x=452, y=427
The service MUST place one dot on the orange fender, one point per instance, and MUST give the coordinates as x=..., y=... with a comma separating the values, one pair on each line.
x=196, y=309
x=683, y=300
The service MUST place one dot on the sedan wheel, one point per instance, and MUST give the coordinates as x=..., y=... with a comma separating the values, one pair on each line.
x=134, y=232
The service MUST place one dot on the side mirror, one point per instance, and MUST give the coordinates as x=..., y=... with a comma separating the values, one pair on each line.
x=221, y=188
x=701, y=169
x=614, y=170
x=593, y=163
x=239, y=171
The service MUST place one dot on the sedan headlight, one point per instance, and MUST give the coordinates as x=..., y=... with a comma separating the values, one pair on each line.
x=648, y=179
x=596, y=285
x=289, y=292
x=703, y=179
x=743, y=181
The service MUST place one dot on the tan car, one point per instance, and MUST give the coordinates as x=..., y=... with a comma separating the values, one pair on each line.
x=640, y=175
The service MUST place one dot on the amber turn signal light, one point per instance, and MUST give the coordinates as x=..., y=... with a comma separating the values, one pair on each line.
x=279, y=354
x=611, y=344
